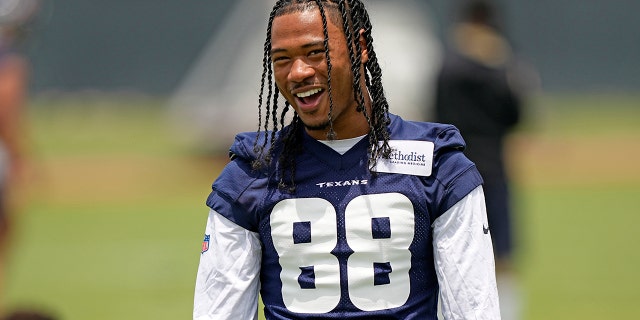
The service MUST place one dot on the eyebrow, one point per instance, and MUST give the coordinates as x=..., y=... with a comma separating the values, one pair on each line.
x=305, y=46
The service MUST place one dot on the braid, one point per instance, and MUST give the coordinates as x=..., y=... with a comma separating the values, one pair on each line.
x=378, y=119
x=292, y=147
x=353, y=43
x=267, y=72
x=353, y=17
x=331, y=135
x=352, y=25
x=380, y=107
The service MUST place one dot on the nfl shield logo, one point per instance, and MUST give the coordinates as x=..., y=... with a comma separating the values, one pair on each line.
x=205, y=243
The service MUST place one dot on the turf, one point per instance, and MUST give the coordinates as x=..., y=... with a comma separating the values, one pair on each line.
x=113, y=221
x=113, y=224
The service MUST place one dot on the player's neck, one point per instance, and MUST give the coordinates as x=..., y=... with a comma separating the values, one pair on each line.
x=348, y=125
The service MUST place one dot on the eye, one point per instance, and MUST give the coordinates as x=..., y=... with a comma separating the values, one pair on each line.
x=279, y=59
x=318, y=52
x=317, y=55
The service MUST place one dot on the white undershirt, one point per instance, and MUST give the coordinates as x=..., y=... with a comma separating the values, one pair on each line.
x=344, y=145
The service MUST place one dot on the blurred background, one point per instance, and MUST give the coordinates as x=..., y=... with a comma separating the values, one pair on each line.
x=129, y=107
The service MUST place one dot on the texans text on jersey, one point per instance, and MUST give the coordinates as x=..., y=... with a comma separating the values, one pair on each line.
x=341, y=183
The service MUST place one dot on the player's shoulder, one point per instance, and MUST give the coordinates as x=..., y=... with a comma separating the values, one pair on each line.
x=244, y=146
x=442, y=135
x=451, y=169
x=237, y=189
x=240, y=172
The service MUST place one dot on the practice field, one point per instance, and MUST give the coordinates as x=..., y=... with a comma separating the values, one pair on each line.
x=113, y=212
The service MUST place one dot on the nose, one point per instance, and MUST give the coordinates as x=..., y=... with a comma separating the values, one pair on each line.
x=300, y=70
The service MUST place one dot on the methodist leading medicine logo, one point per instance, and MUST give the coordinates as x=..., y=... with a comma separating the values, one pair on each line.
x=408, y=157
x=415, y=158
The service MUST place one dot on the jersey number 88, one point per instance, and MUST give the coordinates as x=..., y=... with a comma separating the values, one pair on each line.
x=379, y=229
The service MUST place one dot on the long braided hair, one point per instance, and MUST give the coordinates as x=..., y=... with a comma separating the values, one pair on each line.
x=353, y=16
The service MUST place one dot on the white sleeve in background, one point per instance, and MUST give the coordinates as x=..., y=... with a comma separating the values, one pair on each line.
x=228, y=279
x=464, y=261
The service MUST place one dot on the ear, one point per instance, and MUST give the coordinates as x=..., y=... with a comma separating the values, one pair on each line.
x=363, y=45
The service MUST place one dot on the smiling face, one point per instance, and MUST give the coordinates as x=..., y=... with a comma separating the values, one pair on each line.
x=301, y=74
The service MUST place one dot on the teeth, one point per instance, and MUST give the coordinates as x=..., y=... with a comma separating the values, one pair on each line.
x=308, y=93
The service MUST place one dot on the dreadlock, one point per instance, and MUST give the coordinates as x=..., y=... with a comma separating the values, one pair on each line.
x=354, y=17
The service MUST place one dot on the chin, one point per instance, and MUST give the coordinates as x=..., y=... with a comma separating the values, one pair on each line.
x=316, y=126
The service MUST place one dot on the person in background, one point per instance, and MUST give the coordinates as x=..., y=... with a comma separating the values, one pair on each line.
x=15, y=16
x=335, y=207
x=480, y=90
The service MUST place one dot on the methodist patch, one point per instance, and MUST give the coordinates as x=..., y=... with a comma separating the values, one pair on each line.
x=408, y=157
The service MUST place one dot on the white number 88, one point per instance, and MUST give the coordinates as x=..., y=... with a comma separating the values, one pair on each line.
x=379, y=229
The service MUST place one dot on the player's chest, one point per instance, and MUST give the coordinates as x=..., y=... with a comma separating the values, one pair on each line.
x=351, y=233
x=335, y=208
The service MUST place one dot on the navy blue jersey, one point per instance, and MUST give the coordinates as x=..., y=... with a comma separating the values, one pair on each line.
x=347, y=243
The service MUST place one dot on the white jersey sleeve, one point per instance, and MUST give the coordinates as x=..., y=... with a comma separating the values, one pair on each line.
x=464, y=261
x=228, y=280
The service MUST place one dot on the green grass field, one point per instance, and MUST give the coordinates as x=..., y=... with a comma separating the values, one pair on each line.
x=114, y=212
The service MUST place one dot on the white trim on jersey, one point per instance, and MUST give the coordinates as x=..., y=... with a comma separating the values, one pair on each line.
x=464, y=261
x=228, y=279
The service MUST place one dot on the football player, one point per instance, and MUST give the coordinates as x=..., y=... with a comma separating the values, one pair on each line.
x=347, y=211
